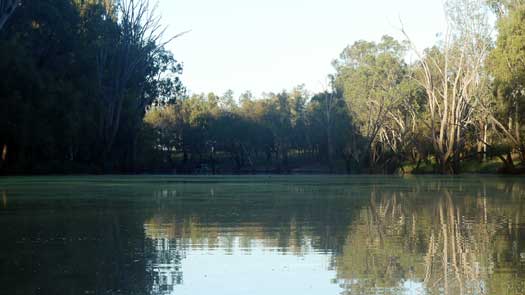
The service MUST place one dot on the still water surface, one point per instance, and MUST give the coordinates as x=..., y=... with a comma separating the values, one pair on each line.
x=262, y=235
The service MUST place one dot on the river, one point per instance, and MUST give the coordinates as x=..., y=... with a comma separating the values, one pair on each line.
x=262, y=235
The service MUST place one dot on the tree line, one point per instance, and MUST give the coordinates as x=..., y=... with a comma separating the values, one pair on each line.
x=77, y=79
x=90, y=87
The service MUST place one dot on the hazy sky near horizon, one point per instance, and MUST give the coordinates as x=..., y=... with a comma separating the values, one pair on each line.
x=271, y=45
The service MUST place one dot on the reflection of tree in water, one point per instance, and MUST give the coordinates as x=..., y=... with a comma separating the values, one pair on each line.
x=441, y=244
x=289, y=219
x=432, y=237
x=293, y=221
x=170, y=238
x=164, y=262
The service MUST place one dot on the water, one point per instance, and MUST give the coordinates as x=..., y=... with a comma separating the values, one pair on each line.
x=262, y=235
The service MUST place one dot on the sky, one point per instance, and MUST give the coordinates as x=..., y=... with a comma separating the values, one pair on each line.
x=275, y=45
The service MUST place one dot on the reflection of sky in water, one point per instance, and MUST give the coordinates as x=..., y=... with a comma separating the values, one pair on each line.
x=357, y=235
x=238, y=269
x=261, y=271
x=256, y=269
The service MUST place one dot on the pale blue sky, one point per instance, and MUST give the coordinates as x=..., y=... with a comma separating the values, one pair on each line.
x=271, y=45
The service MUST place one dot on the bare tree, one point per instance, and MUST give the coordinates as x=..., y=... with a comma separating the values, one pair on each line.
x=450, y=75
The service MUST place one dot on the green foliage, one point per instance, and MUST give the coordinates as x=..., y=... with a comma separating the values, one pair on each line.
x=53, y=113
x=507, y=60
x=381, y=97
x=507, y=65
x=276, y=133
x=90, y=88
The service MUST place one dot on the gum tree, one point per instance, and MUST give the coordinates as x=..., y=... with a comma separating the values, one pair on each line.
x=450, y=74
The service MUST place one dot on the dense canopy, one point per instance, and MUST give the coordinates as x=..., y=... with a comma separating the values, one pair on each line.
x=89, y=87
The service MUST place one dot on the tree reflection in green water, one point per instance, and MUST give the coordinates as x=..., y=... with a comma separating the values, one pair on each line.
x=379, y=235
x=431, y=237
x=452, y=242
